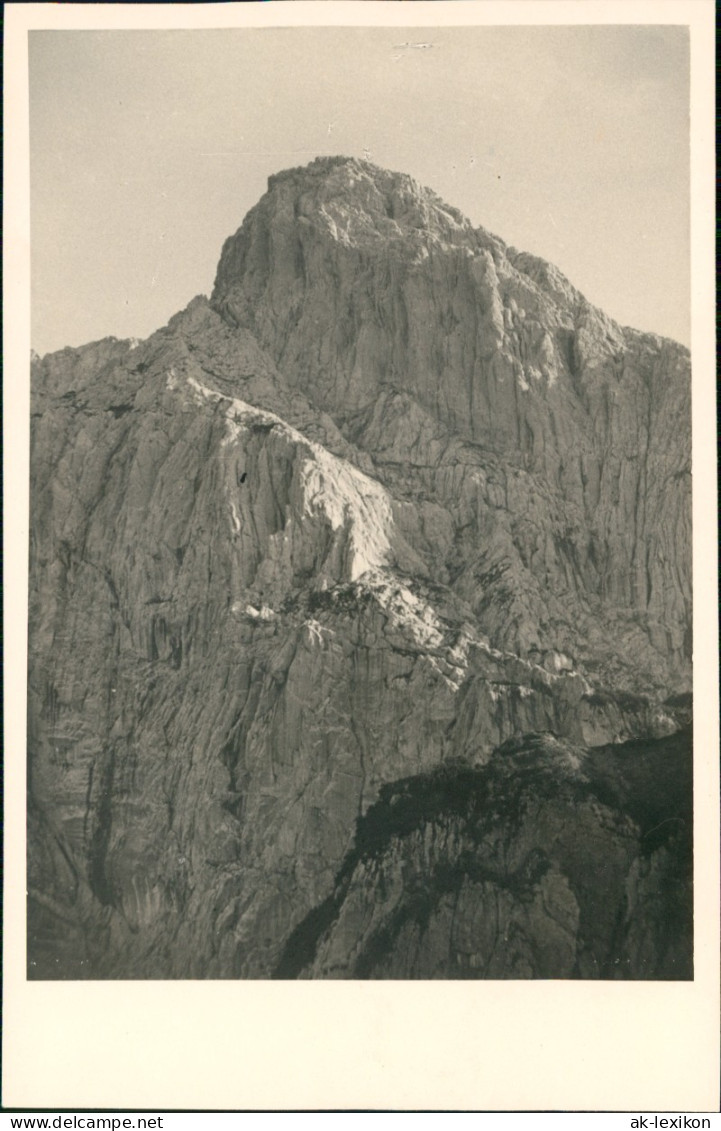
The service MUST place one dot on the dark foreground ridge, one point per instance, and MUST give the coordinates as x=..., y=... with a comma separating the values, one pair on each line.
x=476, y=840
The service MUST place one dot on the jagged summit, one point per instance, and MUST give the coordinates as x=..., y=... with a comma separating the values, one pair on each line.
x=355, y=279
x=322, y=167
x=341, y=174
x=313, y=217
x=382, y=192
x=359, y=205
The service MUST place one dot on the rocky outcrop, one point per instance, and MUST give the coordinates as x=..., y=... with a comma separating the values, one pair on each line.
x=395, y=497
x=548, y=862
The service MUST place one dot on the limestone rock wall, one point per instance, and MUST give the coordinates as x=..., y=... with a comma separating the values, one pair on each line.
x=395, y=497
x=370, y=293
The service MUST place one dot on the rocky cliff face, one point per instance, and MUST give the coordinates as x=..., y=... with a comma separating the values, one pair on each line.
x=549, y=862
x=349, y=537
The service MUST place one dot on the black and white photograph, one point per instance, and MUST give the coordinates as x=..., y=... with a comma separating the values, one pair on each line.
x=360, y=537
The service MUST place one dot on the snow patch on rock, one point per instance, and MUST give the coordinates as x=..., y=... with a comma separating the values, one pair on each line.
x=345, y=496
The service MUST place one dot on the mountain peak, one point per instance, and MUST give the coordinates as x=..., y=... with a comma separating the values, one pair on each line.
x=339, y=169
x=359, y=201
x=343, y=203
x=324, y=166
x=304, y=560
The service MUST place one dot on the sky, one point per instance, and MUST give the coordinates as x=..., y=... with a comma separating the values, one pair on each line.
x=149, y=147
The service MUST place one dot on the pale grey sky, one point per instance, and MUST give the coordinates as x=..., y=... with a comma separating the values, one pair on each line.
x=148, y=148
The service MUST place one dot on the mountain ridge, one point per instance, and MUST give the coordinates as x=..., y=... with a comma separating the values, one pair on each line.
x=363, y=513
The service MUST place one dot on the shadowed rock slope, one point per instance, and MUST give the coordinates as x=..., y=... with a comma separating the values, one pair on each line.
x=547, y=862
x=397, y=521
